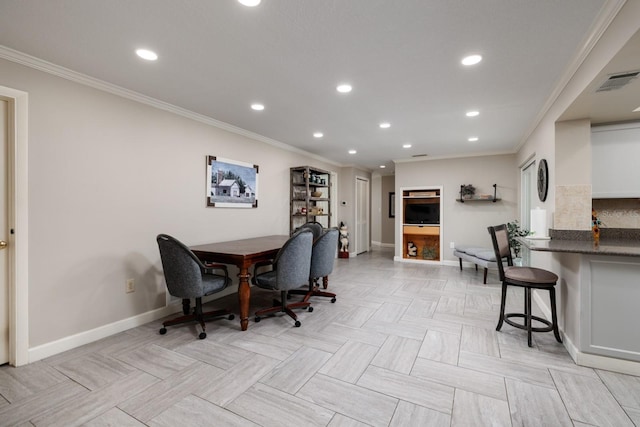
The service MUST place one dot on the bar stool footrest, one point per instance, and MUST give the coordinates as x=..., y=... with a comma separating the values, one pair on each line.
x=548, y=328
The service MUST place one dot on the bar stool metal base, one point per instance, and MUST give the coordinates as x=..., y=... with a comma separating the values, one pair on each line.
x=528, y=318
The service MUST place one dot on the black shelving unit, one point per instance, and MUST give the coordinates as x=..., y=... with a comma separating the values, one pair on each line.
x=304, y=206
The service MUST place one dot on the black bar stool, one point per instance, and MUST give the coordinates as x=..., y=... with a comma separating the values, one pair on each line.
x=528, y=278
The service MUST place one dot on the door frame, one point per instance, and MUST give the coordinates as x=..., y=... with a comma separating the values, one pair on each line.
x=368, y=209
x=527, y=195
x=17, y=219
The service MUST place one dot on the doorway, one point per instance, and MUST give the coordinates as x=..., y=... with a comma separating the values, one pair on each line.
x=14, y=229
x=362, y=215
x=4, y=233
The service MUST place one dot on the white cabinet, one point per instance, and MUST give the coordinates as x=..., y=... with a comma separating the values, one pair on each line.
x=610, y=295
x=615, y=161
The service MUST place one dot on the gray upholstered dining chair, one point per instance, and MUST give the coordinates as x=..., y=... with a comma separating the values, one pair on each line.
x=315, y=227
x=322, y=260
x=289, y=270
x=187, y=277
x=528, y=278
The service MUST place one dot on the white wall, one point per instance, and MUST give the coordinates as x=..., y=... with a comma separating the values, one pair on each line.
x=464, y=223
x=382, y=226
x=106, y=175
x=387, y=232
x=573, y=152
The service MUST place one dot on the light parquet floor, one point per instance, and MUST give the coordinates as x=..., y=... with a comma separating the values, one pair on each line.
x=404, y=345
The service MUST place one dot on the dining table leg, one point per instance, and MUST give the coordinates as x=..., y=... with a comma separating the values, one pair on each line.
x=244, y=295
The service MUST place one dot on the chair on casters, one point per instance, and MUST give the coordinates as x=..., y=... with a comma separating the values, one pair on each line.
x=528, y=278
x=322, y=259
x=187, y=277
x=289, y=270
x=315, y=227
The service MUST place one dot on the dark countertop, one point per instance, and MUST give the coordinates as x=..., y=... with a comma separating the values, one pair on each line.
x=607, y=246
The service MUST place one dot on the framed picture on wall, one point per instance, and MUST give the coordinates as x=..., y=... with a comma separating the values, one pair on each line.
x=392, y=205
x=231, y=184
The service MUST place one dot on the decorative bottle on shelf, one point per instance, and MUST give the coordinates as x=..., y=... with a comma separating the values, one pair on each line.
x=595, y=227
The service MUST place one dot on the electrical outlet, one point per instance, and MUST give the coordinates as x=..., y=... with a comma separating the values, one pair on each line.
x=130, y=286
x=452, y=245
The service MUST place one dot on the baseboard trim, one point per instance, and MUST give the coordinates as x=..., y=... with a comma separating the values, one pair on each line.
x=452, y=263
x=383, y=245
x=590, y=360
x=67, y=343
x=416, y=261
x=600, y=362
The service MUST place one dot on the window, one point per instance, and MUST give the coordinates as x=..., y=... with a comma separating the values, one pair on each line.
x=528, y=192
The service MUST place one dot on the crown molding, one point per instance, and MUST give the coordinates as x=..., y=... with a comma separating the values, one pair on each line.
x=65, y=73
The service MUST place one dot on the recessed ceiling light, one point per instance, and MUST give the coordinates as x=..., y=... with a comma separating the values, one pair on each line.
x=406, y=146
x=472, y=113
x=382, y=166
x=473, y=139
x=318, y=135
x=344, y=88
x=385, y=125
x=147, y=54
x=249, y=3
x=352, y=151
x=257, y=107
x=471, y=59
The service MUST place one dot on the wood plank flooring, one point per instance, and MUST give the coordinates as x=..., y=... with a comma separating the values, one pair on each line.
x=404, y=345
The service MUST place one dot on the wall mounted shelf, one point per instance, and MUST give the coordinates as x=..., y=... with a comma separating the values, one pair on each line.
x=479, y=199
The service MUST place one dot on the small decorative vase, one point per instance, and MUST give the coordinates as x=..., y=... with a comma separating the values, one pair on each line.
x=596, y=234
x=595, y=227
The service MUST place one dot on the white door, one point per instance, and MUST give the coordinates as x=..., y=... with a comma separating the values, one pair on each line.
x=362, y=215
x=4, y=237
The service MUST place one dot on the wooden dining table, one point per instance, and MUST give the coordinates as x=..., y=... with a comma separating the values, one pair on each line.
x=242, y=253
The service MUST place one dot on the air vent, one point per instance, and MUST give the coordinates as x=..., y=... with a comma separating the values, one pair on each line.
x=616, y=81
x=420, y=155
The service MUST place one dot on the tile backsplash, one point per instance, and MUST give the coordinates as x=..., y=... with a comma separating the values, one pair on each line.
x=573, y=207
x=618, y=213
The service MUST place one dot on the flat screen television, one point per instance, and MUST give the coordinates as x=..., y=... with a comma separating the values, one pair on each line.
x=422, y=213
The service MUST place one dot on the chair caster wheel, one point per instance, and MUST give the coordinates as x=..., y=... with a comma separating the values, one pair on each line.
x=310, y=309
x=231, y=317
x=257, y=319
x=202, y=335
x=298, y=323
x=333, y=300
x=163, y=331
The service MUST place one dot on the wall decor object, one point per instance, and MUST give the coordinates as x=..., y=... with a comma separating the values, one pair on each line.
x=543, y=180
x=231, y=184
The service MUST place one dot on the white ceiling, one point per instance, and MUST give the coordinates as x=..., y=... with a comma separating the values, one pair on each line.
x=401, y=56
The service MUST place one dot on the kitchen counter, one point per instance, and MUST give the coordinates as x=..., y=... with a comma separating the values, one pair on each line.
x=599, y=294
x=619, y=247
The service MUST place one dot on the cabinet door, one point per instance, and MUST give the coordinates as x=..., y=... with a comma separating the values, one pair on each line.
x=615, y=153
